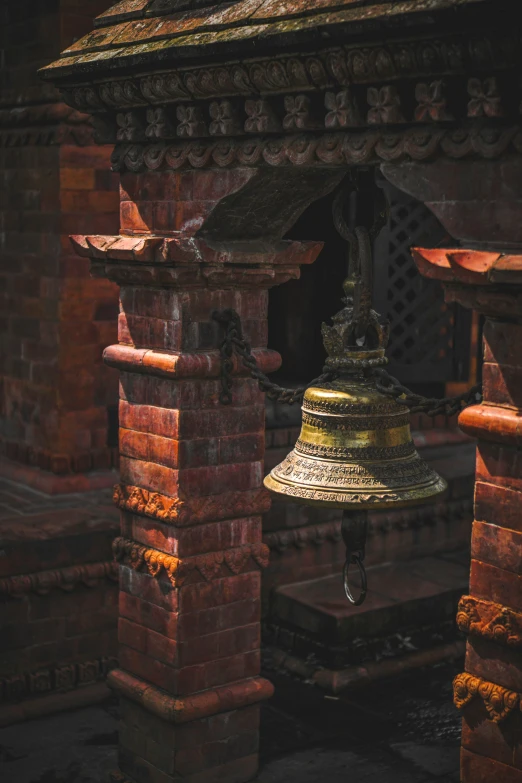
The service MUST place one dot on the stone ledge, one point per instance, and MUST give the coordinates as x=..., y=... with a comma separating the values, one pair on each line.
x=337, y=680
x=52, y=483
x=52, y=703
x=201, y=705
x=66, y=579
x=183, y=365
x=410, y=605
x=57, y=540
x=53, y=681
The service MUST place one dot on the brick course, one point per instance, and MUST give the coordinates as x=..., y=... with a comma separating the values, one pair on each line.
x=489, y=691
x=56, y=320
x=191, y=472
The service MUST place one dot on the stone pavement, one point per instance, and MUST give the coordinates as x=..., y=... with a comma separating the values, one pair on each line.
x=20, y=500
x=403, y=730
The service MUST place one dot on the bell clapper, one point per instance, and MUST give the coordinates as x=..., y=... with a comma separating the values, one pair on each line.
x=354, y=527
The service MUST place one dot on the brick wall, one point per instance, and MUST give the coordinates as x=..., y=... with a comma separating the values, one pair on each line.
x=55, y=320
x=58, y=601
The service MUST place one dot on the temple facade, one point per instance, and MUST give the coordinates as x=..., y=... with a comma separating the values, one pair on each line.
x=229, y=129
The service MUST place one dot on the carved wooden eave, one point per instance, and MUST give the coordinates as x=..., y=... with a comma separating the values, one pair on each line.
x=44, y=123
x=174, y=84
x=134, y=34
x=484, y=281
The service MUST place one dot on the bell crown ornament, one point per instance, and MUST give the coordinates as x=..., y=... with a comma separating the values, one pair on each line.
x=355, y=450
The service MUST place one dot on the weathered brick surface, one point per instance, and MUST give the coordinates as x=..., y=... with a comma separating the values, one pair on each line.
x=207, y=745
x=491, y=752
x=196, y=627
x=58, y=593
x=497, y=546
x=56, y=320
x=498, y=505
x=483, y=768
x=494, y=584
x=499, y=465
x=189, y=541
x=494, y=663
x=500, y=741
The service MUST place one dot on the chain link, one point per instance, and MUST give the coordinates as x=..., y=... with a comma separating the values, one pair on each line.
x=234, y=342
x=431, y=406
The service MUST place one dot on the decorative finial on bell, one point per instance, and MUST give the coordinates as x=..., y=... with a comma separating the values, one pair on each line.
x=355, y=448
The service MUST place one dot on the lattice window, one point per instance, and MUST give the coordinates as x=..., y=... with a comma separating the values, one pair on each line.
x=429, y=339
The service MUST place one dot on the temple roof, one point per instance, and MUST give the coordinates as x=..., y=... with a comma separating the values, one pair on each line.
x=139, y=31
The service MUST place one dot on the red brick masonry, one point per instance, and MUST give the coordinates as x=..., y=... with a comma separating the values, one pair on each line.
x=490, y=691
x=191, y=496
x=58, y=600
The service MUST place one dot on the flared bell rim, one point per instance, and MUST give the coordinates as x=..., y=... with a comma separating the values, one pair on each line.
x=414, y=482
x=326, y=498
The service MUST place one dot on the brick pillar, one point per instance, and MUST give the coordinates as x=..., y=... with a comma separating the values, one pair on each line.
x=54, y=320
x=489, y=692
x=191, y=494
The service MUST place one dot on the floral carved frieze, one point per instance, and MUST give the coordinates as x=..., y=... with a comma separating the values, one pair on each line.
x=151, y=504
x=211, y=565
x=66, y=579
x=490, y=621
x=380, y=524
x=332, y=149
x=342, y=66
x=196, y=510
x=405, y=100
x=44, y=124
x=301, y=537
x=498, y=701
x=351, y=107
x=60, y=678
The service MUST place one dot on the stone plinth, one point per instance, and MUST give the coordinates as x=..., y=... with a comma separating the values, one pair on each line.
x=489, y=691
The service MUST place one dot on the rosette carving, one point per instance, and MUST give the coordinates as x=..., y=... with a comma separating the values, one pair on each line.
x=498, y=701
x=152, y=504
x=491, y=621
x=209, y=565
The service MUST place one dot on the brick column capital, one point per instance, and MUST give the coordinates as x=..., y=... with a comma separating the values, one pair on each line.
x=489, y=282
x=189, y=263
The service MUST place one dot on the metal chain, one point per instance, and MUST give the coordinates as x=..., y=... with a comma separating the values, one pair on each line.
x=432, y=406
x=234, y=342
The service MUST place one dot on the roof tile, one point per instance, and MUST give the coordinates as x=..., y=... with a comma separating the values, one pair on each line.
x=126, y=9
x=222, y=23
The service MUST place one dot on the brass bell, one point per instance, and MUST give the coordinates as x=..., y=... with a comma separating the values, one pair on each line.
x=355, y=450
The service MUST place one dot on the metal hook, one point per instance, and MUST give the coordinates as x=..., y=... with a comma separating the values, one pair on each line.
x=354, y=527
x=357, y=560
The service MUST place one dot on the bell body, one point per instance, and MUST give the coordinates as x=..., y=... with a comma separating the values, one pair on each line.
x=355, y=450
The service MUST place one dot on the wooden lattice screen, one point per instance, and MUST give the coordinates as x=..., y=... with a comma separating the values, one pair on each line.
x=429, y=339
